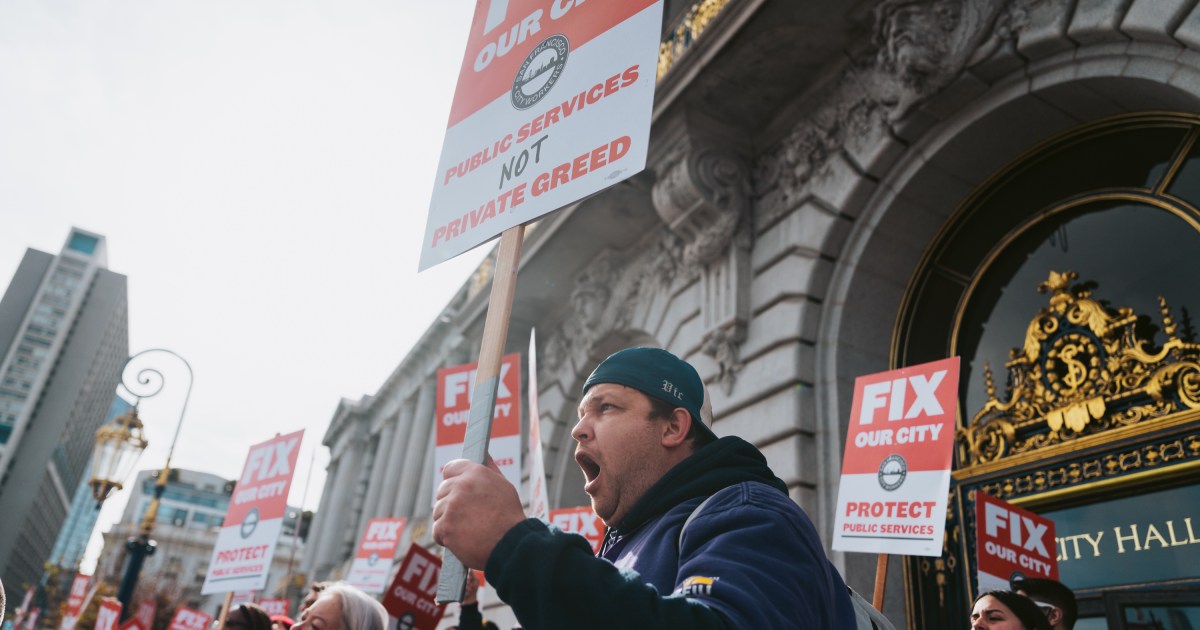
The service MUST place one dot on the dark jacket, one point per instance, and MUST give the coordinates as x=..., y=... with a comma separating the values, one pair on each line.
x=750, y=559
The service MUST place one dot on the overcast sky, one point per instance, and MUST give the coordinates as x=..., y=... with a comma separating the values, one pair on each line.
x=262, y=171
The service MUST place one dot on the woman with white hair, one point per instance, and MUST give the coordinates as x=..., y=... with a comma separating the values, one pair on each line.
x=343, y=607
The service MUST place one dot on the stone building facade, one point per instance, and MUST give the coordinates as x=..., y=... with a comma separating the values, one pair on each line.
x=815, y=208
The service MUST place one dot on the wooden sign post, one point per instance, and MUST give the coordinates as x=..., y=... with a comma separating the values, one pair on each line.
x=453, y=579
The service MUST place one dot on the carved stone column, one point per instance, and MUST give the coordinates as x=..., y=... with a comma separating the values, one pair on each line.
x=703, y=195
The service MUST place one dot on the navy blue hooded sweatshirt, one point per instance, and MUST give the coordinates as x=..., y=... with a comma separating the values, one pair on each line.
x=750, y=559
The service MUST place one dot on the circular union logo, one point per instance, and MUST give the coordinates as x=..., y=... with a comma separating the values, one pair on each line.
x=250, y=523
x=373, y=559
x=892, y=472
x=540, y=71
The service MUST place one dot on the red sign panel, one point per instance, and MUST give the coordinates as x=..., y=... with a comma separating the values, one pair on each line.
x=188, y=619
x=411, y=597
x=79, y=587
x=896, y=471
x=109, y=615
x=579, y=520
x=454, y=387
x=1011, y=542
x=274, y=606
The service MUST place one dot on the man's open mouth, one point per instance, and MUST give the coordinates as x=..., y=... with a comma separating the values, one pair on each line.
x=591, y=470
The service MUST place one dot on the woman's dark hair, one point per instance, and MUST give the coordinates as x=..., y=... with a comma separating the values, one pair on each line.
x=256, y=616
x=1025, y=610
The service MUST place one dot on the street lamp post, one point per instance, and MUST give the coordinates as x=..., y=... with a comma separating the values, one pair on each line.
x=149, y=382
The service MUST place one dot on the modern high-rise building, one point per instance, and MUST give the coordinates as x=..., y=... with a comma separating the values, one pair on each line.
x=81, y=520
x=64, y=336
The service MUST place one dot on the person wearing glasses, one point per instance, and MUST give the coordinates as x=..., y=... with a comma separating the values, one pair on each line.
x=1053, y=597
x=248, y=616
x=1006, y=610
x=343, y=607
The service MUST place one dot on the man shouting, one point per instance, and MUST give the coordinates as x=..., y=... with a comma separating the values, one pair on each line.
x=701, y=533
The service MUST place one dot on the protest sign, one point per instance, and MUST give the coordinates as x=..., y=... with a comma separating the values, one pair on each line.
x=553, y=104
x=188, y=619
x=410, y=598
x=376, y=550
x=274, y=606
x=241, y=559
x=454, y=386
x=579, y=520
x=145, y=614
x=108, y=617
x=79, y=589
x=539, y=501
x=242, y=597
x=1011, y=542
x=896, y=471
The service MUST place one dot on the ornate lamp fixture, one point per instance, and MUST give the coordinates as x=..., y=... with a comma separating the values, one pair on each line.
x=118, y=446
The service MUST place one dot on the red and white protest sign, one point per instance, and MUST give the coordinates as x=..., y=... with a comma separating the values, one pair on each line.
x=539, y=499
x=241, y=558
x=108, y=617
x=79, y=589
x=188, y=619
x=454, y=386
x=144, y=618
x=376, y=550
x=410, y=598
x=553, y=104
x=274, y=606
x=579, y=520
x=1011, y=542
x=896, y=472
x=145, y=614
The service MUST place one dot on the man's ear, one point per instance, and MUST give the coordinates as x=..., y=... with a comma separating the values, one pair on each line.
x=1055, y=616
x=676, y=428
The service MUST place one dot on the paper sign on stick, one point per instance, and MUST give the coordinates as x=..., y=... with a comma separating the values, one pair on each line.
x=410, y=598
x=579, y=520
x=896, y=472
x=553, y=104
x=108, y=617
x=539, y=501
x=1011, y=542
x=373, y=560
x=188, y=619
x=241, y=558
x=454, y=387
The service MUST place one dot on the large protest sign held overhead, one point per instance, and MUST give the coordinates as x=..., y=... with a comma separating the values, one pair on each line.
x=1011, y=542
x=454, y=387
x=896, y=471
x=241, y=559
x=553, y=103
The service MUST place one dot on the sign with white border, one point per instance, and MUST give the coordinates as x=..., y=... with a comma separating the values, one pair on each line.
x=896, y=471
x=241, y=558
x=553, y=103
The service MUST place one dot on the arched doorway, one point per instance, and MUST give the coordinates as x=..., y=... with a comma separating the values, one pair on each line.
x=1068, y=283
